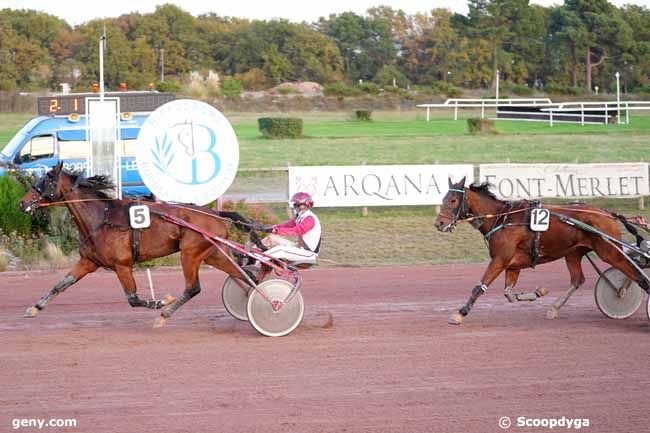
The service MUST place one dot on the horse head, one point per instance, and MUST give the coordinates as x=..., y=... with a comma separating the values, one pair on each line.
x=454, y=207
x=47, y=189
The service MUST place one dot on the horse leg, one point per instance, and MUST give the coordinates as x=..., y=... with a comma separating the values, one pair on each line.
x=577, y=279
x=82, y=268
x=615, y=258
x=190, y=264
x=512, y=275
x=125, y=275
x=493, y=270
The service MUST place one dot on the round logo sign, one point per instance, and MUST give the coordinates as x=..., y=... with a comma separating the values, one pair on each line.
x=187, y=152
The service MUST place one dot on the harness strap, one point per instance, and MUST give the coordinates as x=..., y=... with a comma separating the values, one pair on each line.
x=534, y=254
x=135, y=245
x=494, y=230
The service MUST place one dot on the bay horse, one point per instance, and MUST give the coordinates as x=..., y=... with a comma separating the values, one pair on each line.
x=513, y=246
x=106, y=239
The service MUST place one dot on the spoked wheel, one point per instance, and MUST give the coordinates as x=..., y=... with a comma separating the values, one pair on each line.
x=647, y=308
x=235, y=295
x=275, y=316
x=620, y=301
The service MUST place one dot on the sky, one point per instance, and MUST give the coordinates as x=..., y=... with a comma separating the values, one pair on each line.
x=78, y=12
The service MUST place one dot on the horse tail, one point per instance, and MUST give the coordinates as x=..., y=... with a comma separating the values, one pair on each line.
x=630, y=228
x=241, y=222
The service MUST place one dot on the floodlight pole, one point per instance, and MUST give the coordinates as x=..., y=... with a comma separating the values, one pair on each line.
x=618, y=97
x=497, y=93
x=162, y=65
x=102, y=40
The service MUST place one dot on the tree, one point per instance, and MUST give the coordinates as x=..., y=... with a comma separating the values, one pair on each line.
x=367, y=44
x=432, y=49
x=603, y=32
x=512, y=28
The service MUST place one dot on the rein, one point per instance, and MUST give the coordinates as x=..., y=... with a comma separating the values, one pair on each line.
x=57, y=203
x=497, y=215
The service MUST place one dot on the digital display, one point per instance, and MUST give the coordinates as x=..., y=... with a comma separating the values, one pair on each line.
x=136, y=102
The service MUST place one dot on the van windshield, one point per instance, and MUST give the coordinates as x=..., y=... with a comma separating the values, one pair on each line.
x=13, y=144
x=19, y=139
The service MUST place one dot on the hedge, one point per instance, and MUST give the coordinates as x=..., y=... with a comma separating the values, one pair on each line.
x=481, y=126
x=363, y=115
x=280, y=127
x=11, y=217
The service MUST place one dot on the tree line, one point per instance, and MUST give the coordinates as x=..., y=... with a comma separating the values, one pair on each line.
x=579, y=44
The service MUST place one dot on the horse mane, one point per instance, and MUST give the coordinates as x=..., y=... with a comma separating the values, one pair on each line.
x=483, y=188
x=96, y=184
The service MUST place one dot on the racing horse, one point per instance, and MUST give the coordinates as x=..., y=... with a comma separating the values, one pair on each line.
x=513, y=246
x=106, y=239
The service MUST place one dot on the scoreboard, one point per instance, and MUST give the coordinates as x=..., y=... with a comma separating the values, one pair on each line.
x=132, y=102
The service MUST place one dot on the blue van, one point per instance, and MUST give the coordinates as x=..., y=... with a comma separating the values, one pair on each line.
x=46, y=140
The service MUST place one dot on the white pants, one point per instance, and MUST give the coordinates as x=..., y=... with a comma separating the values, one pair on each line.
x=288, y=249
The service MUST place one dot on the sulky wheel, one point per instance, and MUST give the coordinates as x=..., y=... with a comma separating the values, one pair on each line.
x=620, y=301
x=235, y=294
x=647, y=308
x=272, y=316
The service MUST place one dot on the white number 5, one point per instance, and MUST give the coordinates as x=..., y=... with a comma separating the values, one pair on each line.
x=139, y=217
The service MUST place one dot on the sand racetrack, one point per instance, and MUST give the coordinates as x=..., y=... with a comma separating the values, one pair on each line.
x=389, y=363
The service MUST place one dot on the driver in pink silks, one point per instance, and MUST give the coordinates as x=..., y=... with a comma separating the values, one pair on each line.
x=296, y=240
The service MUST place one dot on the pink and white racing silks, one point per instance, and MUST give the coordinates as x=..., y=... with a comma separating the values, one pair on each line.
x=305, y=226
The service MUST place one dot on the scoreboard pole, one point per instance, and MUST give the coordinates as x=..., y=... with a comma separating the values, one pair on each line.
x=102, y=41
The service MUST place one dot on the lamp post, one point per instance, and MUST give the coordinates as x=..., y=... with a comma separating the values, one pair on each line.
x=618, y=98
x=497, y=89
x=162, y=65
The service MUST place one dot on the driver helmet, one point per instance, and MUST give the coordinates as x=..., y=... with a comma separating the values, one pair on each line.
x=301, y=198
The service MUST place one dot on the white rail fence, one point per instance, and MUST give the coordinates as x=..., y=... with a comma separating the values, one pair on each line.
x=543, y=110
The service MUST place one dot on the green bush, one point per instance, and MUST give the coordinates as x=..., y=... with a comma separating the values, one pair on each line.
x=168, y=86
x=363, y=115
x=12, y=219
x=253, y=79
x=447, y=89
x=371, y=88
x=519, y=89
x=280, y=127
x=288, y=91
x=481, y=126
x=340, y=89
x=385, y=76
x=564, y=90
x=231, y=88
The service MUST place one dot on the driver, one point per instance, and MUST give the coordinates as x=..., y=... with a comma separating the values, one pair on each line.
x=298, y=239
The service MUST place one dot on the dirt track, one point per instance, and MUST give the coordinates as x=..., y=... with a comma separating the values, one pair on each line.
x=390, y=363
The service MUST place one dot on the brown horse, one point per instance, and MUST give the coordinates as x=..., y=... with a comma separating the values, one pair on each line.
x=513, y=246
x=106, y=239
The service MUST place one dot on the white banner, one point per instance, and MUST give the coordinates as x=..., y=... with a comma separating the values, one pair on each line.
x=377, y=185
x=517, y=181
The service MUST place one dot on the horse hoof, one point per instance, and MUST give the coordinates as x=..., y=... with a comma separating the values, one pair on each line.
x=31, y=312
x=542, y=291
x=553, y=313
x=159, y=322
x=455, y=319
x=168, y=299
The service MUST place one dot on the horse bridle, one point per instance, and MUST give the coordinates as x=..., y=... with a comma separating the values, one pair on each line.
x=461, y=210
x=47, y=193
